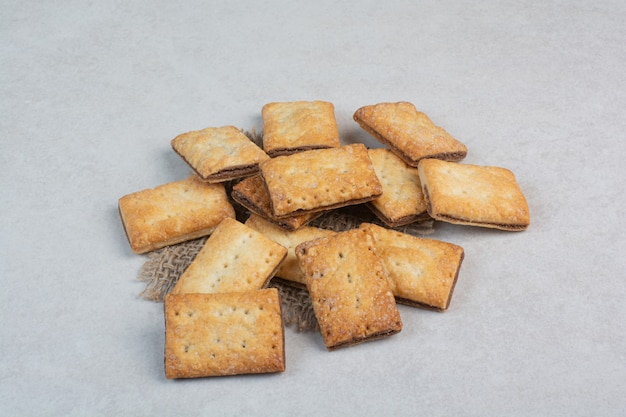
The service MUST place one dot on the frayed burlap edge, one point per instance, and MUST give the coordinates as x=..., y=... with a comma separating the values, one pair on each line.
x=163, y=267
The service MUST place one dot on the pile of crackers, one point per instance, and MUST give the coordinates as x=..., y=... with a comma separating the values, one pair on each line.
x=222, y=319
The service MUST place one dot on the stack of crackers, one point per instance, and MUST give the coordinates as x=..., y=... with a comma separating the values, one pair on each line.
x=222, y=319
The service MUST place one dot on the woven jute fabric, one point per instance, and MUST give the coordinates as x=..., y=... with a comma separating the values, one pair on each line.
x=163, y=267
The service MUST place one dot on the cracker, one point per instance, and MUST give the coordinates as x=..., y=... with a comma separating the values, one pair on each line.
x=423, y=272
x=223, y=334
x=252, y=194
x=234, y=258
x=349, y=288
x=409, y=133
x=173, y=213
x=219, y=154
x=320, y=179
x=402, y=201
x=297, y=126
x=289, y=270
x=473, y=195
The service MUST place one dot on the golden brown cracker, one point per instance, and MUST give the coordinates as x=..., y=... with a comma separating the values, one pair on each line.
x=289, y=270
x=423, y=271
x=223, y=334
x=409, y=133
x=320, y=179
x=219, y=154
x=402, y=201
x=297, y=126
x=473, y=195
x=173, y=213
x=252, y=194
x=349, y=288
x=234, y=258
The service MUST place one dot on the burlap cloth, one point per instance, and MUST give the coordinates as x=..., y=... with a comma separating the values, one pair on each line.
x=163, y=267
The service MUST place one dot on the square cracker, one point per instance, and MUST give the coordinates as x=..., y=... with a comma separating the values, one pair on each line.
x=289, y=270
x=297, y=126
x=473, y=195
x=320, y=179
x=223, y=334
x=173, y=213
x=219, y=154
x=349, y=288
x=409, y=133
x=402, y=201
x=234, y=258
x=252, y=194
x=423, y=272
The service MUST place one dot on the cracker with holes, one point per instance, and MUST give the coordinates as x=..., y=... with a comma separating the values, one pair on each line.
x=402, y=201
x=290, y=127
x=234, y=258
x=223, y=334
x=320, y=179
x=422, y=272
x=173, y=213
x=289, y=270
x=473, y=195
x=252, y=194
x=219, y=154
x=349, y=288
x=409, y=133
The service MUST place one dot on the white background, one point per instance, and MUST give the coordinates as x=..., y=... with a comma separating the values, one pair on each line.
x=91, y=93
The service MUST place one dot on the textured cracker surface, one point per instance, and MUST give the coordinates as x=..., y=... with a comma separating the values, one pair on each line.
x=289, y=269
x=349, y=288
x=300, y=125
x=173, y=213
x=474, y=195
x=219, y=153
x=402, y=201
x=252, y=194
x=408, y=132
x=223, y=334
x=320, y=179
x=234, y=258
x=422, y=272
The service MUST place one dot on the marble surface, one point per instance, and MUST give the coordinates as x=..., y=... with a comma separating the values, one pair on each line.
x=91, y=93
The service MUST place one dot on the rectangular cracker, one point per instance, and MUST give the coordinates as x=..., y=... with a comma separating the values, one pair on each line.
x=252, y=194
x=409, y=133
x=402, y=201
x=234, y=258
x=173, y=213
x=219, y=154
x=320, y=179
x=423, y=272
x=473, y=195
x=290, y=127
x=289, y=270
x=349, y=288
x=223, y=334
